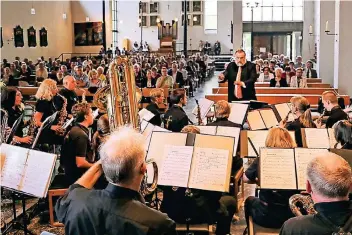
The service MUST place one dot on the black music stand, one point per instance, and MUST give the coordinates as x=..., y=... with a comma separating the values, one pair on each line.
x=253, y=104
x=45, y=125
x=15, y=126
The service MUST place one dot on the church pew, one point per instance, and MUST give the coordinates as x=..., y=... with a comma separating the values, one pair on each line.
x=267, y=84
x=277, y=98
x=283, y=90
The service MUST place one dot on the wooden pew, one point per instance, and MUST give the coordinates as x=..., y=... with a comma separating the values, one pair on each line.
x=277, y=98
x=282, y=90
x=267, y=84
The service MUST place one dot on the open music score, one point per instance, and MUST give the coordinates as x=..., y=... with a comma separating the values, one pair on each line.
x=238, y=113
x=147, y=129
x=223, y=131
x=258, y=139
x=318, y=138
x=285, y=168
x=282, y=110
x=204, y=105
x=192, y=160
x=145, y=114
x=255, y=121
x=26, y=170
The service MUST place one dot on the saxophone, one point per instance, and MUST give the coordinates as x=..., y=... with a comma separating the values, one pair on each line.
x=199, y=117
x=302, y=204
x=120, y=102
x=4, y=126
x=32, y=128
x=62, y=117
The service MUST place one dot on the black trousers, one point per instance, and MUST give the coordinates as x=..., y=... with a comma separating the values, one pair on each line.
x=264, y=214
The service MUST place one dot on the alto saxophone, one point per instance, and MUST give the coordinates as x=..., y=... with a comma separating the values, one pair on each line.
x=62, y=117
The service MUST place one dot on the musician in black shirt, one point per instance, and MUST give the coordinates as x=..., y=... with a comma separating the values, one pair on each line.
x=343, y=134
x=69, y=92
x=271, y=209
x=176, y=118
x=329, y=180
x=119, y=208
x=330, y=103
x=300, y=109
x=222, y=113
x=157, y=98
x=76, y=147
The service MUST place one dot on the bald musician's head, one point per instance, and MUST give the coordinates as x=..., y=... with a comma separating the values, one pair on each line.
x=329, y=178
x=329, y=99
x=69, y=82
x=122, y=158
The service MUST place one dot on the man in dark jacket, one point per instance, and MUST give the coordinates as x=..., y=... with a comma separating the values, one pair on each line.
x=241, y=76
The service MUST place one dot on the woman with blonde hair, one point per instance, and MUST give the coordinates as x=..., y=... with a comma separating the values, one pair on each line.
x=101, y=76
x=300, y=109
x=47, y=104
x=272, y=208
x=93, y=79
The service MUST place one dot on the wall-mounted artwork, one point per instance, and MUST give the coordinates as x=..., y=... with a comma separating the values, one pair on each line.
x=88, y=34
x=2, y=42
x=32, y=37
x=43, y=37
x=18, y=34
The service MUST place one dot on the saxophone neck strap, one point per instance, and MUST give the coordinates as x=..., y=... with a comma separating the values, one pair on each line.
x=340, y=229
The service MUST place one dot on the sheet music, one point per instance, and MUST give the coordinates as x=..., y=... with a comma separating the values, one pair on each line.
x=144, y=124
x=255, y=121
x=38, y=173
x=303, y=157
x=258, y=139
x=332, y=139
x=277, y=169
x=160, y=129
x=147, y=133
x=12, y=170
x=145, y=114
x=205, y=106
x=207, y=130
x=209, y=169
x=269, y=118
x=317, y=138
x=232, y=132
x=176, y=166
x=283, y=109
x=238, y=112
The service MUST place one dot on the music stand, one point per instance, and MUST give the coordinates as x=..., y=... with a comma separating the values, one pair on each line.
x=15, y=126
x=253, y=104
x=45, y=125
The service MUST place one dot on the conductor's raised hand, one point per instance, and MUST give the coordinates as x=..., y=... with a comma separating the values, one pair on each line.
x=221, y=76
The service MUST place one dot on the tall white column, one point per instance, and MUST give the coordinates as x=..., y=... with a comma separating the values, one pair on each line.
x=237, y=25
x=308, y=41
x=326, y=42
x=343, y=49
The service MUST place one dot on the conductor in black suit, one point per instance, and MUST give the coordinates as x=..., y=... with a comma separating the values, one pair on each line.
x=241, y=76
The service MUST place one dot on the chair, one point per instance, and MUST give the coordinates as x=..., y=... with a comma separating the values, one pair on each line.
x=55, y=193
x=195, y=228
x=254, y=228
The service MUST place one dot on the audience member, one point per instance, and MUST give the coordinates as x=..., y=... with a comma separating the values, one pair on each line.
x=266, y=75
x=164, y=80
x=278, y=81
x=299, y=80
x=310, y=72
x=81, y=78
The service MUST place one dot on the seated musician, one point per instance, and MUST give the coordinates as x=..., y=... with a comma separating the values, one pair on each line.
x=68, y=91
x=164, y=80
x=299, y=80
x=271, y=209
x=119, y=208
x=101, y=135
x=330, y=103
x=222, y=113
x=329, y=180
x=300, y=109
x=157, y=98
x=76, y=147
x=176, y=118
x=149, y=81
x=45, y=107
x=201, y=206
x=14, y=107
x=176, y=75
x=343, y=133
x=278, y=81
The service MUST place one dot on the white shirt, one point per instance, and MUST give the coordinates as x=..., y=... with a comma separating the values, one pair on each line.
x=263, y=79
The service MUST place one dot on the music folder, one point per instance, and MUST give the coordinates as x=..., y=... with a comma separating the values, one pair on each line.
x=238, y=113
x=262, y=119
x=285, y=168
x=14, y=128
x=26, y=170
x=192, y=160
x=223, y=131
x=252, y=141
x=205, y=106
x=282, y=110
x=147, y=129
x=318, y=138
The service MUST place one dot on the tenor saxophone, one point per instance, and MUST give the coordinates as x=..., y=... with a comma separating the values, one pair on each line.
x=4, y=126
x=62, y=117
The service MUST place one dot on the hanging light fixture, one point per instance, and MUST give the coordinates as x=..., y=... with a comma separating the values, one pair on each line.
x=87, y=18
x=32, y=9
x=195, y=18
x=139, y=20
x=157, y=20
x=64, y=16
x=176, y=19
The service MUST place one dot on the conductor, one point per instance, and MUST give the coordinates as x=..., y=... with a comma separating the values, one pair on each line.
x=241, y=76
